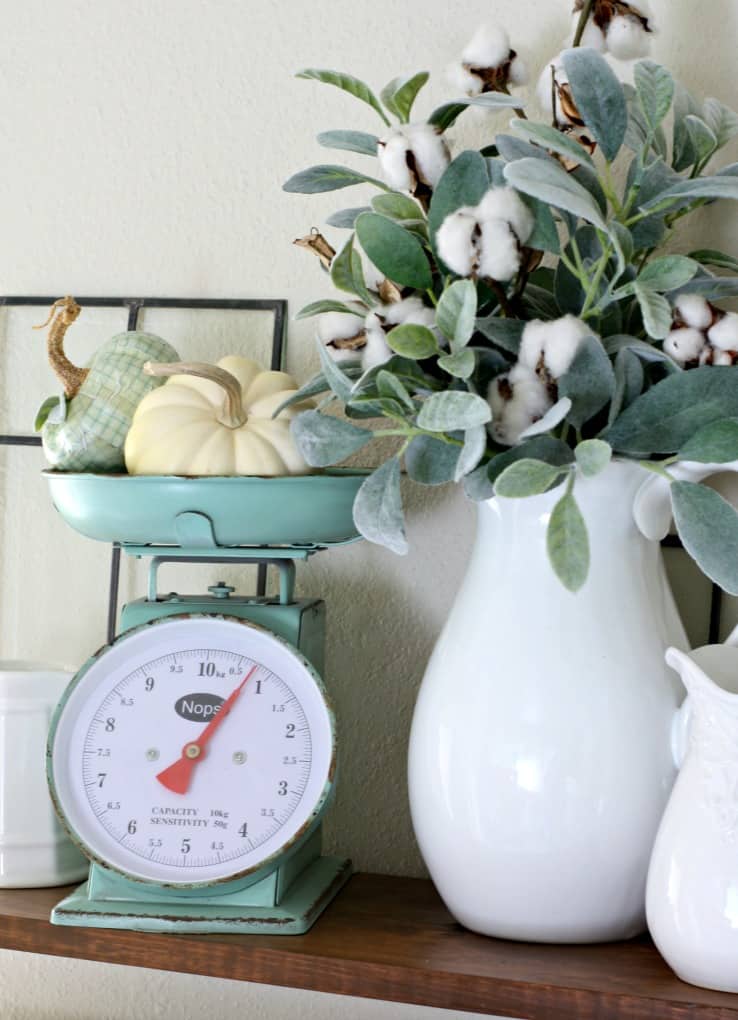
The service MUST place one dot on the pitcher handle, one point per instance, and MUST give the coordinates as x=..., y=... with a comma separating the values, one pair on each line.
x=680, y=732
x=652, y=504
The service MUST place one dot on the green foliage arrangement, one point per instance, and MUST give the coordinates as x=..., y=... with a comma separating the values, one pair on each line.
x=510, y=313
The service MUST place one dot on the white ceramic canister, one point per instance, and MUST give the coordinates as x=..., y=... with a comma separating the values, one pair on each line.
x=33, y=848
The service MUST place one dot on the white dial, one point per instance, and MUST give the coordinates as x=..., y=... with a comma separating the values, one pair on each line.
x=192, y=750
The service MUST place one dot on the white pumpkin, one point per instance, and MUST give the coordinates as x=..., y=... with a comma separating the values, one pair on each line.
x=215, y=420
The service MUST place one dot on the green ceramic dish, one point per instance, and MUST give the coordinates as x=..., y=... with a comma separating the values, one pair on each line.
x=147, y=509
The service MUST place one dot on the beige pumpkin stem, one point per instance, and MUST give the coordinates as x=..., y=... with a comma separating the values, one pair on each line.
x=61, y=316
x=232, y=415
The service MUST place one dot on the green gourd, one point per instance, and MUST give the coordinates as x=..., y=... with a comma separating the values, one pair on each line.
x=85, y=429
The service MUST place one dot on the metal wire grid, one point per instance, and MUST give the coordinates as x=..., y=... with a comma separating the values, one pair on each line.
x=277, y=306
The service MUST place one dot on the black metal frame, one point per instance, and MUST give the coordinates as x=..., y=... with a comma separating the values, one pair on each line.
x=278, y=306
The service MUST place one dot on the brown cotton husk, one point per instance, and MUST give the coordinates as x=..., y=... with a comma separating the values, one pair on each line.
x=349, y=343
x=317, y=244
x=389, y=292
x=494, y=79
x=568, y=106
x=605, y=10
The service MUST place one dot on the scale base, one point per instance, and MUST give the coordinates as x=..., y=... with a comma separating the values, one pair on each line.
x=299, y=907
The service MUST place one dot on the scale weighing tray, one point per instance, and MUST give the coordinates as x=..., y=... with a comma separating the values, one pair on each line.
x=298, y=510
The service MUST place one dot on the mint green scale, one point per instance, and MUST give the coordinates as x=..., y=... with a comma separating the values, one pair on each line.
x=289, y=891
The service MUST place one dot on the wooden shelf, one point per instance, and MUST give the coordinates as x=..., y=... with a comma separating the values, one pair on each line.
x=392, y=938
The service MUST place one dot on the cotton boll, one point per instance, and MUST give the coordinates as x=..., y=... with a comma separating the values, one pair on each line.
x=489, y=47
x=694, y=310
x=532, y=344
x=724, y=334
x=410, y=310
x=376, y=351
x=430, y=151
x=593, y=38
x=461, y=79
x=627, y=39
x=506, y=204
x=684, y=345
x=337, y=326
x=499, y=251
x=562, y=343
x=518, y=73
x=392, y=154
x=724, y=358
x=517, y=400
x=455, y=241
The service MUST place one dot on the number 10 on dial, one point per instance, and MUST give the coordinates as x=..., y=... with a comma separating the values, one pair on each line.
x=192, y=760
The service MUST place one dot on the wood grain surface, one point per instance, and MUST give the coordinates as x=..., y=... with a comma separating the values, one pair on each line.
x=392, y=938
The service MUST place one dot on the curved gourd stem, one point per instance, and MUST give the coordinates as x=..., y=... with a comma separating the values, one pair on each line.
x=61, y=316
x=232, y=415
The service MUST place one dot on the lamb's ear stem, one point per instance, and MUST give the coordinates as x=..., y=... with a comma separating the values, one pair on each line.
x=61, y=316
x=233, y=415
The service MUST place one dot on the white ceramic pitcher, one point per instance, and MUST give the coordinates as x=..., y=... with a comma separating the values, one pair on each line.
x=692, y=892
x=540, y=760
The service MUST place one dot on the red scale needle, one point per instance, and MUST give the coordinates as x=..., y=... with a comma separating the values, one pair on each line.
x=177, y=777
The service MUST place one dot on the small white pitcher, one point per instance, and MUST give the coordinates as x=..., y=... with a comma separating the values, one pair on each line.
x=692, y=890
x=34, y=851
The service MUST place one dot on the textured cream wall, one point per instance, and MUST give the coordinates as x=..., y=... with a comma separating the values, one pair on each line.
x=144, y=144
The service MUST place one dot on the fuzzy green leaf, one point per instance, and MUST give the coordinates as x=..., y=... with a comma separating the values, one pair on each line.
x=708, y=527
x=589, y=383
x=667, y=273
x=396, y=253
x=431, y=461
x=397, y=206
x=655, y=91
x=460, y=364
x=412, y=341
x=347, y=273
x=722, y=121
x=553, y=417
x=444, y=116
x=656, y=312
x=339, y=382
x=378, y=508
x=550, y=139
x=464, y=182
x=716, y=443
x=667, y=416
x=475, y=443
x=719, y=259
x=453, y=410
x=567, y=543
x=320, y=307
x=599, y=97
x=349, y=141
x=593, y=456
x=324, y=440
x=347, y=83
x=551, y=184
x=506, y=333
x=456, y=312
x=389, y=386
x=345, y=219
x=400, y=94
x=327, y=177
x=527, y=477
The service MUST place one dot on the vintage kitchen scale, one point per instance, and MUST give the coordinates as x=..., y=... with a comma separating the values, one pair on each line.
x=192, y=757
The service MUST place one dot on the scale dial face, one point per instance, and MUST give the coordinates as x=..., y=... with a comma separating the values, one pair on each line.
x=192, y=751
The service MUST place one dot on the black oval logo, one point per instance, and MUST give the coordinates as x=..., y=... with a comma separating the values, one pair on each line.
x=198, y=707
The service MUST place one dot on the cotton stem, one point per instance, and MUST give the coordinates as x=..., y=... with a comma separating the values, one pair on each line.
x=582, y=23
